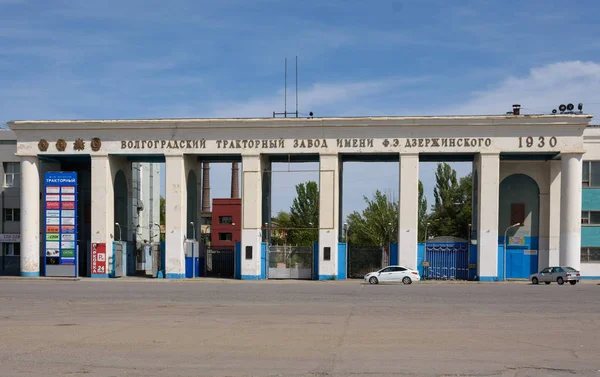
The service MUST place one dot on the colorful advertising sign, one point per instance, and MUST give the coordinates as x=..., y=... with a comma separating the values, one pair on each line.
x=60, y=223
x=98, y=258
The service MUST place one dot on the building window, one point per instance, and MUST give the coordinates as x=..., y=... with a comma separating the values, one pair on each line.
x=591, y=174
x=517, y=213
x=590, y=217
x=225, y=237
x=12, y=174
x=225, y=220
x=12, y=214
x=590, y=254
x=13, y=249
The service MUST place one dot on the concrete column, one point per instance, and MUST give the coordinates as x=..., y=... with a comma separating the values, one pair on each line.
x=102, y=211
x=554, y=216
x=487, y=228
x=544, y=220
x=329, y=213
x=252, y=268
x=570, y=209
x=408, y=224
x=30, y=216
x=175, y=215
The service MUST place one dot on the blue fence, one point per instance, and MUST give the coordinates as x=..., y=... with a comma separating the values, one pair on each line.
x=393, y=254
x=341, y=261
x=238, y=260
x=447, y=261
x=263, y=260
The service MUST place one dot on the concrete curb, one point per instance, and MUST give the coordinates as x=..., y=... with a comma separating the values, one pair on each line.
x=40, y=278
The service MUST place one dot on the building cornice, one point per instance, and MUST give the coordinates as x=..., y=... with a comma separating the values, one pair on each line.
x=248, y=123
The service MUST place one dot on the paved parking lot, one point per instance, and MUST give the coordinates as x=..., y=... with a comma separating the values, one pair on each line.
x=272, y=328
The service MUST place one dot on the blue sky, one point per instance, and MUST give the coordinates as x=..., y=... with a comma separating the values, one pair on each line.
x=143, y=59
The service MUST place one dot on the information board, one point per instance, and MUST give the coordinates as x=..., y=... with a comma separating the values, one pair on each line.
x=60, y=223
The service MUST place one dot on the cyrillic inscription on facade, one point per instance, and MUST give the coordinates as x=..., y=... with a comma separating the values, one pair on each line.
x=463, y=142
x=243, y=144
x=354, y=143
x=163, y=144
x=310, y=143
x=351, y=143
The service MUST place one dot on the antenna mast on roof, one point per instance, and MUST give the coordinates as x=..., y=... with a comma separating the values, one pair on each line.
x=285, y=112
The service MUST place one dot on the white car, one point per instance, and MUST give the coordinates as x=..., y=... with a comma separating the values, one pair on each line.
x=393, y=274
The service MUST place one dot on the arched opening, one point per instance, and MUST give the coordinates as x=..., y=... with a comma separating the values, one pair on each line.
x=192, y=206
x=121, y=207
x=519, y=203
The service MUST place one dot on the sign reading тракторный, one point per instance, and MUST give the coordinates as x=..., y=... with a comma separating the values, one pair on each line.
x=406, y=143
x=60, y=223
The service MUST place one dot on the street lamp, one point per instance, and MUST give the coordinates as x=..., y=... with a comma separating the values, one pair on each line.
x=346, y=232
x=505, y=232
x=119, y=226
x=193, y=230
x=158, y=233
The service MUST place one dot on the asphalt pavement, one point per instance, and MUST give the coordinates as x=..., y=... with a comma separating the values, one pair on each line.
x=140, y=327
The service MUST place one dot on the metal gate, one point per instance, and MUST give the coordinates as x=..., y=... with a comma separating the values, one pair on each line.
x=290, y=262
x=446, y=261
x=365, y=259
x=220, y=262
x=118, y=259
x=148, y=259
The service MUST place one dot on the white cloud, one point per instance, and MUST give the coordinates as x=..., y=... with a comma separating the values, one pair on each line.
x=540, y=91
x=343, y=96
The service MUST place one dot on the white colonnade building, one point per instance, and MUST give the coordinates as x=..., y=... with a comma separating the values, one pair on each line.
x=542, y=152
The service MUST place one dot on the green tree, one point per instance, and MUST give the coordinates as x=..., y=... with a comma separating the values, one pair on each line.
x=280, y=226
x=304, y=215
x=451, y=212
x=163, y=209
x=378, y=222
x=423, y=217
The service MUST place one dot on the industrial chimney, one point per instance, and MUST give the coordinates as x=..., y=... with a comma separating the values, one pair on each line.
x=235, y=185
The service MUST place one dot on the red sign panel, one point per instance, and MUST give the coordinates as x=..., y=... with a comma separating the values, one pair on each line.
x=68, y=205
x=99, y=258
x=52, y=205
x=52, y=229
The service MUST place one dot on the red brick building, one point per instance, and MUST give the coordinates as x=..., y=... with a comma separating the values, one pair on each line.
x=226, y=227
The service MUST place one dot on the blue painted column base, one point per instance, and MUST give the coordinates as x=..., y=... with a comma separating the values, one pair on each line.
x=100, y=276
x=251, y=277
x=175, y=276
x=30, y=274
x=488, y=279
x=327, y=277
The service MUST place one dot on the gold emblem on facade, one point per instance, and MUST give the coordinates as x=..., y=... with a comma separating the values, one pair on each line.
x=79, y=145
x=96, y=144
x=43, y=145
x=61, y=145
